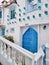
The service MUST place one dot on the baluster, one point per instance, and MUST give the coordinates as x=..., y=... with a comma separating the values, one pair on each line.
x=23, y=60
x=33, y=59
x=5, y=50
x=1, y=47
x=28, y=61
x=13, y=57
x=20, y=59
x=8, y=54
x=36, y=63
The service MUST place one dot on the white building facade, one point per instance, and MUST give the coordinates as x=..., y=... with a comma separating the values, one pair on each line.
x=27, y=21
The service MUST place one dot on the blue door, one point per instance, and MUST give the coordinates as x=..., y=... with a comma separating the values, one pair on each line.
x=30, y=40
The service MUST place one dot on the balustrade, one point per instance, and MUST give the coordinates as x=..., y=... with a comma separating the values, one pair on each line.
x=16, y=55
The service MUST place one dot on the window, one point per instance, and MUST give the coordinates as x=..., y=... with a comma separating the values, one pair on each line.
x=44, y=27
x=24, y=8
x=6, y=30
x=46, y=5
x=39, y=7
x=31, y=5
x=12, y=14
x=19, y=19
x=7, y=19
x=24, y=13
x=39, y=15
x=33, y=16
x=19, y=10
x=0, y=14
x=7, y=15
x=46, y=12
x=12, y=30
x=39, y=1
x=29, y=0
x=20, y=14
x=28, y=17
x=23, y=19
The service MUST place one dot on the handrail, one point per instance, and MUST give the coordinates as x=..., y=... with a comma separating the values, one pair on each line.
x=18, y=48
x=39, y=55
x=13, y=52
x=47, y=45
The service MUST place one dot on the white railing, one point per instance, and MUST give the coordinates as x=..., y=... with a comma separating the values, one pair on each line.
x=47, y=53
x=16, y=55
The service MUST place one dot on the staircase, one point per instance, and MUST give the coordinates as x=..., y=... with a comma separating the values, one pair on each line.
x=12, y=54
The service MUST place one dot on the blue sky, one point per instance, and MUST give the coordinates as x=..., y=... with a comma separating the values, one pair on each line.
x=2, y=0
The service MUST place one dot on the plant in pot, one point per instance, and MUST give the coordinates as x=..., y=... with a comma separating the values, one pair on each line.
x=10, y=38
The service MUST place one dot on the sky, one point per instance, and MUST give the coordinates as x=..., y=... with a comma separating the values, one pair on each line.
x=2, y=0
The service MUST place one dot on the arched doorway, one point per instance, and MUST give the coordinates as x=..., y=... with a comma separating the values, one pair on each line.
x=30, y=40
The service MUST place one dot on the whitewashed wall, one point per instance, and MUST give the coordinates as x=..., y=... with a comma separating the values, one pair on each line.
x=44, y=34
x=21, y=26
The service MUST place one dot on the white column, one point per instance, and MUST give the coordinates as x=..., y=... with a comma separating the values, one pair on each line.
x=33, y=60
x=20, y=59
x=13, y=57
x=38, y=38
x=8, y=54
x=5, y=50
x=28, y=61
x=1, y=47
x=36, y=63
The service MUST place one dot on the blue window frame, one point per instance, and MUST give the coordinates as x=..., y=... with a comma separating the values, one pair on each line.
x=12, y=14
x=0, y=14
